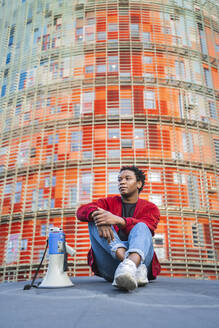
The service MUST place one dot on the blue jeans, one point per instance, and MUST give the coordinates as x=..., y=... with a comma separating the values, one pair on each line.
x=139, y=241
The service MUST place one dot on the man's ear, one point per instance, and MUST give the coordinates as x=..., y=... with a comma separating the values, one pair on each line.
x=139, y=185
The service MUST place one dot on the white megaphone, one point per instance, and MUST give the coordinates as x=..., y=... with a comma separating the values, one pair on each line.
x=56, y=275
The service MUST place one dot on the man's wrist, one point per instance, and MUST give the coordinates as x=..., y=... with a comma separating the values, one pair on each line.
x=122, y=222
x=91, y=215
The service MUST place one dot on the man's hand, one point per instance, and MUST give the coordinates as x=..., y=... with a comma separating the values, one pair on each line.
x=102, y=217
x=106, y=232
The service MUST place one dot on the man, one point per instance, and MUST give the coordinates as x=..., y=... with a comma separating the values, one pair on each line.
x=121, y=230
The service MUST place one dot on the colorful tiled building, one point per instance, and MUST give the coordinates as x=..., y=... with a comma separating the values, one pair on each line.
x=88, y=86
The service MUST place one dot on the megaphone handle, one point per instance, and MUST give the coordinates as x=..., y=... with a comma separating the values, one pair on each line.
x=65, y=264
x=38, y=269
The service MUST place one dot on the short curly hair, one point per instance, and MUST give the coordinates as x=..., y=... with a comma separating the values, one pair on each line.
x=140, y=176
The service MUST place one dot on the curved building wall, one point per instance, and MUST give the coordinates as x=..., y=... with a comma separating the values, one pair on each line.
x=88, y=86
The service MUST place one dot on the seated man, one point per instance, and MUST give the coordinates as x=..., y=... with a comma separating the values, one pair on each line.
x=121, y=230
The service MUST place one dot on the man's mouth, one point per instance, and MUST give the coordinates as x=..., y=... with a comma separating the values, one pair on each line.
x=121, y=188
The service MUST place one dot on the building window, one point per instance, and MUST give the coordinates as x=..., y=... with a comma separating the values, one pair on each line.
x=208, y=79
x=53, y=139
x=113, y=64
x=154, y=176
x=146, y=37
x=101, y=36
x=180, y=70
x=216, y=147
x=8, y=189
x=202, y=39
x=113, y=153
x=85, y=186
x=113, y=183
x=135, y=30
x=24, y=243
x=73, y=196
x=179, y=178
x=159, y=245
x=125, y=106
x=198, y=235
x=8, y=59
x=3, y=91
x=101, y=68
x=23, y=154
x=166, y=30
x=45, y=229
x=76, y=140
x=188, y=143
x=148, y=76
x=126, y=143
x=34, y=200
x=147, y=60
x=156, y=199
x=181, y=105
x=149, y=99
x=79, y=34
x=17, y=198
x=113, y=133
x=112, y=27
x=51, y=158
x=87, y=154
x=39, y=202
x=17, y=195
x=23, y=77
x=89, y=69
x=193, y=191
x=55, y=110
x=88, y=101
x=50, y=182
x=3, y=150
x=77, y=110
x=91, y=21
x=139, y=138
x=2, y=168
x=113, y=111
x=89, y=36
x=12, y=248
x=26, y=117
x=212, y=109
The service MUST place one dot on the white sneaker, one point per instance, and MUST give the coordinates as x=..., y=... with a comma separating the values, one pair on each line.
x=142, y=275
x=125, y=275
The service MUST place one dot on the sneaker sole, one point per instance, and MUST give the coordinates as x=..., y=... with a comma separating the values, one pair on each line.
x=126, y=282
x=142, y=284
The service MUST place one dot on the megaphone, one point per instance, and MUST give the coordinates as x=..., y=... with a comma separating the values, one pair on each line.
x=56, y=276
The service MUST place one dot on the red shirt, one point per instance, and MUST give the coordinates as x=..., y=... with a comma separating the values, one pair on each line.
x=145, y=212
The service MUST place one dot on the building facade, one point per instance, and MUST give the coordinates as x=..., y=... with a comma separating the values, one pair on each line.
x=88, y=86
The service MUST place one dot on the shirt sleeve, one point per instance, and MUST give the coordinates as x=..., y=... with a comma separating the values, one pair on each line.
x=150, y=215
x=84, y=211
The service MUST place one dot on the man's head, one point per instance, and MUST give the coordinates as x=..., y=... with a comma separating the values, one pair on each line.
x=130, y=179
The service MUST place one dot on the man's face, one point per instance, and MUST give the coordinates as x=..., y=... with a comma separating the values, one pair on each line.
x=128, y=184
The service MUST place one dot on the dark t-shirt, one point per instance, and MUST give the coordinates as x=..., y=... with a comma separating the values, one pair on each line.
x=127, y=212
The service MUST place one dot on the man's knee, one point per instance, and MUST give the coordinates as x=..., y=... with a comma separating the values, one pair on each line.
x=92, y=227
x=143, y=228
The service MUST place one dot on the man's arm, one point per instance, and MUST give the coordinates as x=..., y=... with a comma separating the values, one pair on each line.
x=101, y=217
x=84, y=212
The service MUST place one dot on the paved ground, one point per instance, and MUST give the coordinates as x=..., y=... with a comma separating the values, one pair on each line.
x=94, y=303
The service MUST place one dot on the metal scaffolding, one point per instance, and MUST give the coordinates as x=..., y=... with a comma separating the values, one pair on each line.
x=89, y=86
